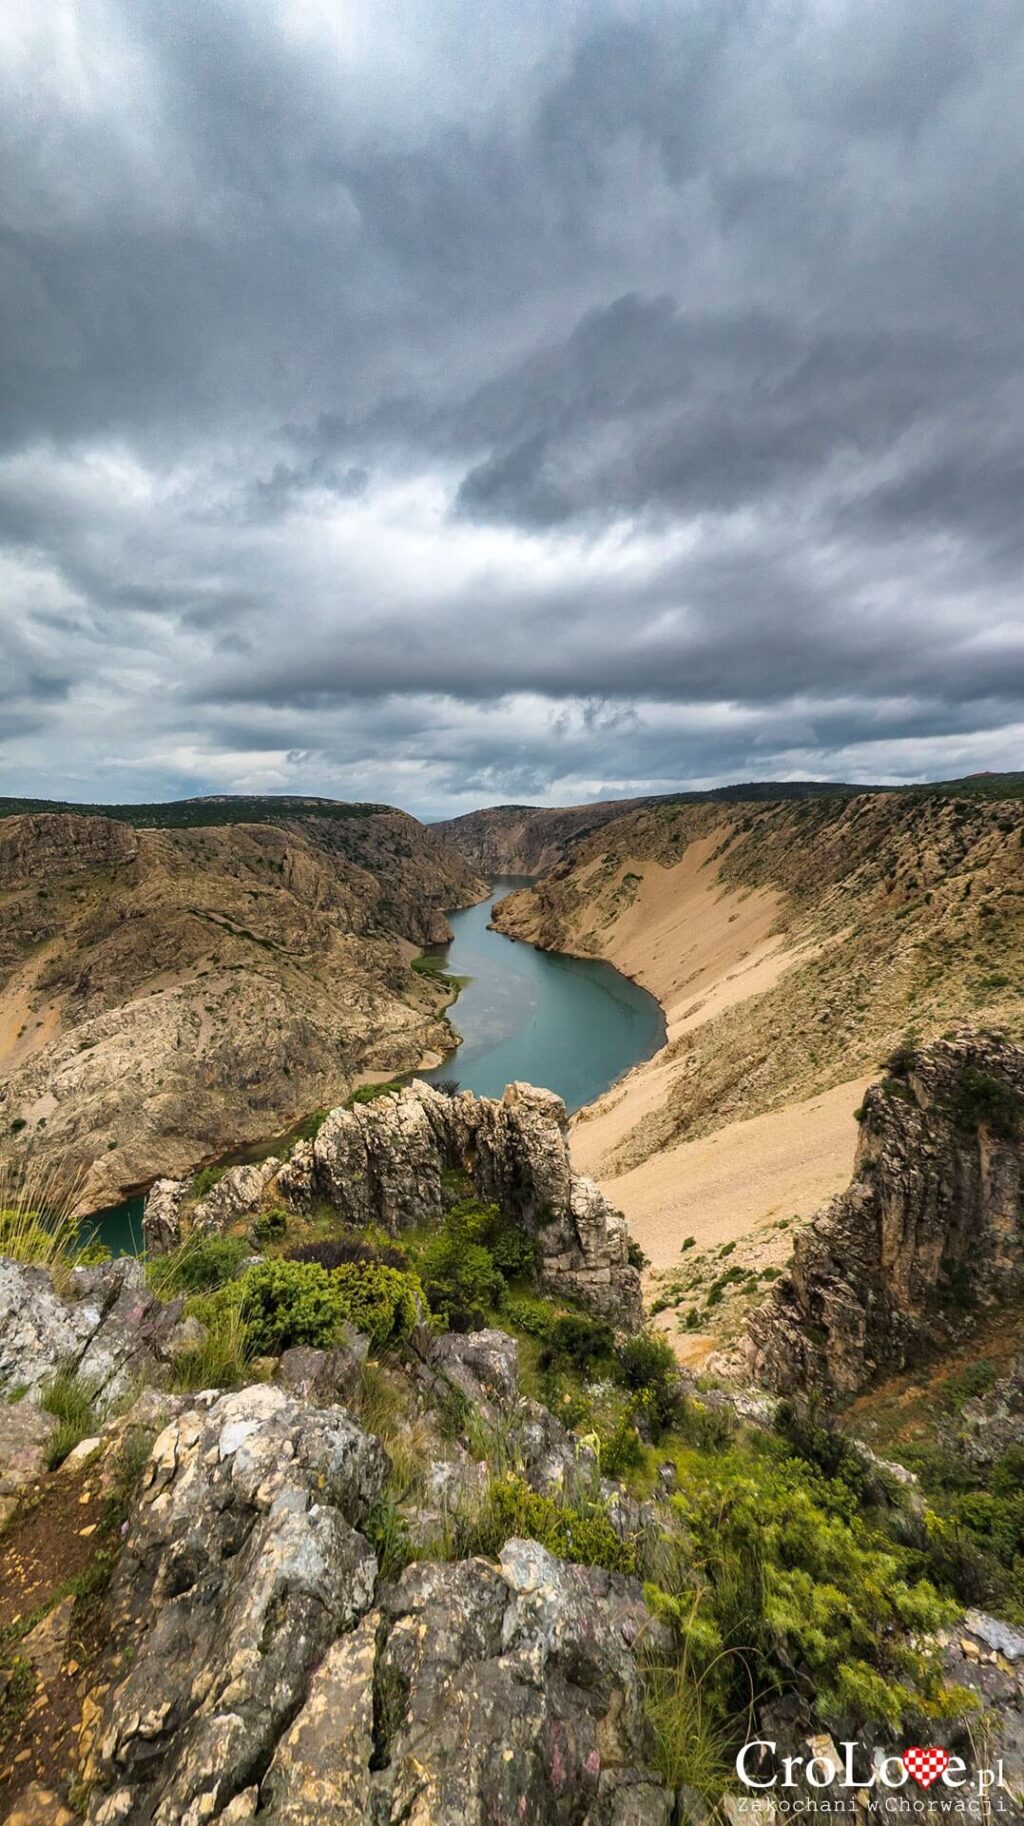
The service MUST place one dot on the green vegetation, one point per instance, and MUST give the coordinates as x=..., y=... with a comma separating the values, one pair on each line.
x=580, y=1531
x=281, y=1303
x=980, y=1099
x=187, y=814
x=70, y=1401
x=200, y=1264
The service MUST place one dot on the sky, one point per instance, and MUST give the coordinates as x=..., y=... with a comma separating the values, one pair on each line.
x=448, y=402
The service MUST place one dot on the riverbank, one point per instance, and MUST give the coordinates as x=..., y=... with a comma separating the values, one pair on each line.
x=701, y=948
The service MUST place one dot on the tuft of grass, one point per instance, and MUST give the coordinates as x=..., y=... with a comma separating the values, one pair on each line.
x=38, y=1221
x=72, y=1403
x=221, y=1361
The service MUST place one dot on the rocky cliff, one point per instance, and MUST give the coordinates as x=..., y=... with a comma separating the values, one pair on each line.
x=526, y=839
x=388, y=1165
x=169, y=993
x=931, y=1227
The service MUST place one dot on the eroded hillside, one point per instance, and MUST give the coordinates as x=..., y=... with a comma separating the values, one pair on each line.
x=792, y=945
x=167, y=994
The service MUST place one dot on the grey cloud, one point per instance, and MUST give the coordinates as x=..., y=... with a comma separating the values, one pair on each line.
x=500, y=399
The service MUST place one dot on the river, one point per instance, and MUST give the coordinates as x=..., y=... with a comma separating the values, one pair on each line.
x=572, y=1024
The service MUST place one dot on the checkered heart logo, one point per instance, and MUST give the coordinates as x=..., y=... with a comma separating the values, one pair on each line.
x=925, y=1765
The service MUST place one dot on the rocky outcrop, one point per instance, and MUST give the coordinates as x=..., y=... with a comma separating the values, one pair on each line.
x=389, y=1163
x=243, y=1563
x=268, y=1679
x=109, y=1329
x=992, y=1423
x=933, y=1222
x=169, y=994
x=49, y=846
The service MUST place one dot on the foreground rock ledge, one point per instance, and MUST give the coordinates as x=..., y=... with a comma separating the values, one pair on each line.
x=257, y=1672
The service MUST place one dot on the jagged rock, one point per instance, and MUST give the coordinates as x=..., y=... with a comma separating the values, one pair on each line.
x=111, y=1331
x=161, y=1218
x=934, y=1212
x=238, y=1193
x=389, y=1163
x=243, y=1563
x=512, y=1693
x=324, y=1377
x=24, y=1437
x=553, y=1460
x=483, y=1365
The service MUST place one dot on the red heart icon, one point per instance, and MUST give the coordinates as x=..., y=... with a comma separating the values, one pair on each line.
x=925, y=1765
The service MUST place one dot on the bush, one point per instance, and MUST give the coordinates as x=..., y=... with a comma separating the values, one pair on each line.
x=335, y=1251
x=270, y=1227
x=199, y=1265
x=646, y=1364
x=288, y=1303
x=582, y=1534
x=533, y=1316
x=384, y=1303
x=205, y=1180
x=980, y=1099
x=789, y=1573
x=580, y=1340
x=459, y=1277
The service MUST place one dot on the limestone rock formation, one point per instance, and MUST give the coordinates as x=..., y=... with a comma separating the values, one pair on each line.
x=267, y=1679
x=934, y=1218
x=109, y=1329
x=386, y=1163
x=244, y=1562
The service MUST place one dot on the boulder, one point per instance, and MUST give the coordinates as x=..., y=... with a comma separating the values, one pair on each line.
x=324, y=1377
x=24, y=1438
x=110, y=1330
x=483, y=1365
x=238, y=1193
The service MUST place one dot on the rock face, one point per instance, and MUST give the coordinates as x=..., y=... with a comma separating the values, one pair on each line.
x=934, y=1217
x=110, y=1330
x=243, y=1563
x=166, y=994
x=266, y=1681
x=386, y=1163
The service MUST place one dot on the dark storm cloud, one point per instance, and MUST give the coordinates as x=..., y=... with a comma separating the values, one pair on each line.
x=450, y=401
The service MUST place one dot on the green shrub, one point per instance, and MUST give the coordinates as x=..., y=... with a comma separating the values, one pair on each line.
x=205, y=1180
x=368, y=1093
x=981, y=1099
x=578, y=1339
x=524, y=1313
x=646, y=1365
x=288, y=1303
x=198, y=1265
x=271, y=1227
x=793, y=1576
x=515, y=1252
x=582, y=1534
x=382, y=1302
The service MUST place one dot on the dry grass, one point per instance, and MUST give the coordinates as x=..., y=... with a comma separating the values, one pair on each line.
x=38, y=1221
